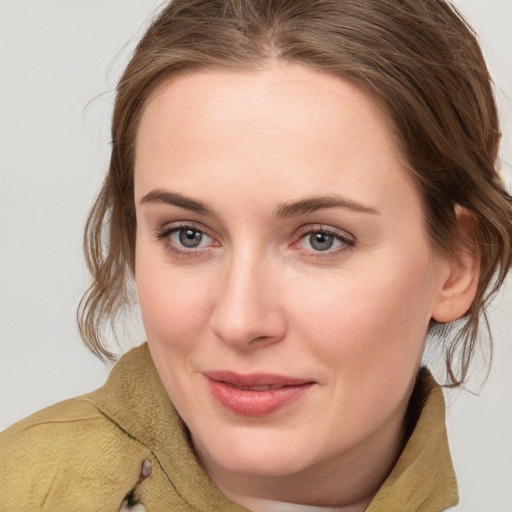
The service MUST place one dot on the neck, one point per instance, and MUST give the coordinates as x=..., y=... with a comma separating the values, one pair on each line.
x=261, y=505
x=346, y=482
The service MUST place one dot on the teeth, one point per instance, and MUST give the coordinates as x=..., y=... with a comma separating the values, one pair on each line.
x=259, y=388
x=266, y=387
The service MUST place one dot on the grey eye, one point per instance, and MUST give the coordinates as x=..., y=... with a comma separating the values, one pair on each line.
x=321, y=241
x=190, y=238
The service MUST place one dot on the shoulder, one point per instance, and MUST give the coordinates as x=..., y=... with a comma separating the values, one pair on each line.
x=67, y=446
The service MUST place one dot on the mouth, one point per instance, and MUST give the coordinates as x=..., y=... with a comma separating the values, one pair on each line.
x=256, y=388
x=256, y=394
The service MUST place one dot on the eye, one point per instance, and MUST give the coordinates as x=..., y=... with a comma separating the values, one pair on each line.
x=325, y=240
x=320, y=241
x=185, y=239
x=190, y=238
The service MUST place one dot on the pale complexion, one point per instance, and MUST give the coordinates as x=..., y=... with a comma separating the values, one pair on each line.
x=278, y=232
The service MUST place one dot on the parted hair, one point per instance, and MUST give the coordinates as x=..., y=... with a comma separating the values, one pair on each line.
x=418, y=58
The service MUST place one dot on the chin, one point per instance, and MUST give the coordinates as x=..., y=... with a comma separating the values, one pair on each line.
x=253, y=455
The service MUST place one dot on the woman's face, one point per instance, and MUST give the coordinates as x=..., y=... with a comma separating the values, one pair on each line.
x=283, y=270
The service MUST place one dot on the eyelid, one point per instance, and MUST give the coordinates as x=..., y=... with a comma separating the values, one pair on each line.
x=169, y=227
x=324, y=228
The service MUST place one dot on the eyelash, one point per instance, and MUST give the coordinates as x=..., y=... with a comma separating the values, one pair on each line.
x=346, y=240
x=163, y=235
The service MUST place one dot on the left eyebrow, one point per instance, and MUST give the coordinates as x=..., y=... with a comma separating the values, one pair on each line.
x=313, y=204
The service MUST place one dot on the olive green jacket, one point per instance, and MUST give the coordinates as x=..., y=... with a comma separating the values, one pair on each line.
x=124, y=444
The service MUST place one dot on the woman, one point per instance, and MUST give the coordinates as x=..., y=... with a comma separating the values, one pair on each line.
x=302, y=191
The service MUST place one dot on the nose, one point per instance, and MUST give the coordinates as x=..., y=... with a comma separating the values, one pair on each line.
x=248, y=310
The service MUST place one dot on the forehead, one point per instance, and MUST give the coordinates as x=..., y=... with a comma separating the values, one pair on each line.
x=287, y=98
x=285, y=128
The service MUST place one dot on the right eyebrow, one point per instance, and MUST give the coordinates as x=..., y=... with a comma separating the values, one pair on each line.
x=171, y=198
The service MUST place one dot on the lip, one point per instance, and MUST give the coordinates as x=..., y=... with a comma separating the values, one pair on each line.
x=255, y=394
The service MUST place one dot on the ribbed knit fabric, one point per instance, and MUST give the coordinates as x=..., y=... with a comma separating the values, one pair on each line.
x=124, y=447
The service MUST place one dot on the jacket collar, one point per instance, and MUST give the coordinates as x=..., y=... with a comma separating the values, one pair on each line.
x=134, y=398
x=423, y=478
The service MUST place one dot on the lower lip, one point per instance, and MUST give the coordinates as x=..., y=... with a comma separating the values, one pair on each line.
x=256, y=403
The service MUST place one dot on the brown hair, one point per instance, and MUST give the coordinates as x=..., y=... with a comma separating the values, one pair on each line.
x=419, y=58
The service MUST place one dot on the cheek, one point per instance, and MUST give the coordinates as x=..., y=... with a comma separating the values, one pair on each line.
x=371, y=318
x=175, y=305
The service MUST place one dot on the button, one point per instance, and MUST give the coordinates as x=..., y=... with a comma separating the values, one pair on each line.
x=146, y=469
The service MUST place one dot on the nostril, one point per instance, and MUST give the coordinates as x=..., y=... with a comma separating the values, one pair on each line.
x=260, y=338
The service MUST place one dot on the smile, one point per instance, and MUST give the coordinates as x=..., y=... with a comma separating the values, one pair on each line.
x=257, y=394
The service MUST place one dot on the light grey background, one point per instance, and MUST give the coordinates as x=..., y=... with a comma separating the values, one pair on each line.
x=55, y=57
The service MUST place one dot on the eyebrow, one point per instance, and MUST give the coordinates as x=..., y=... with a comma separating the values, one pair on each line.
x=313, y=204
x=284, y=210
x=161, y=196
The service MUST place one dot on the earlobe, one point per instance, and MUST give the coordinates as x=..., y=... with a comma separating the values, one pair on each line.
x=460, y=281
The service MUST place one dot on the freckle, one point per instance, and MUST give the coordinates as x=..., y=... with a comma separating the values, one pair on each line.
x=146, y=469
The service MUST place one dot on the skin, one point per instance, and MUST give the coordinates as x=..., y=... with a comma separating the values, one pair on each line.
x=257, y=296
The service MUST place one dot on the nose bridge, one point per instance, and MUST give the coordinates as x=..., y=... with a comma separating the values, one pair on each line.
x=246, y=308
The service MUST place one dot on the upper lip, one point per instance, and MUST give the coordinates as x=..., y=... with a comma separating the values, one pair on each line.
x=256, y=380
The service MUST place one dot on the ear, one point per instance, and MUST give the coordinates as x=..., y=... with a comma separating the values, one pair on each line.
x=460, y=281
